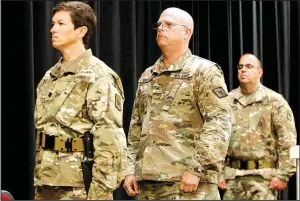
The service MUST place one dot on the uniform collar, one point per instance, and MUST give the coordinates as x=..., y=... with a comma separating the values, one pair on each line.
x=71, y=66
x=178, y=65
x=251, y=98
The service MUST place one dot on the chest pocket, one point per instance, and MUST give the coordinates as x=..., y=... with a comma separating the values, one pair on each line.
x=45, y=98
x=70, y=102
x=180, y=100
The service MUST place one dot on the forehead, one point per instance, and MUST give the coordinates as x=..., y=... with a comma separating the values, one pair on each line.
x=168, y=16
x=62, y=15
x=248, y=60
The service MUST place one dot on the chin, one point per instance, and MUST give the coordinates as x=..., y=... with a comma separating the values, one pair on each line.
x=161, y=45
x=56, y=46
x=244, y=81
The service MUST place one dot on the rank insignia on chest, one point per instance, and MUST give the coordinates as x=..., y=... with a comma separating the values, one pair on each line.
x=56, y=71
x=118, y=102
x=220, y=92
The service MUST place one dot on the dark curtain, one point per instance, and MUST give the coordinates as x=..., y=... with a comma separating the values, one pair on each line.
x=124, y=40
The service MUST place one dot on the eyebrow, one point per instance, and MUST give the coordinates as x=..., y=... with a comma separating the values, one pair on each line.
x=166, y=21
x=60, y=20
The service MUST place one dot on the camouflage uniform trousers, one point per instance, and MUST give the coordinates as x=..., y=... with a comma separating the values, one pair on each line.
x=171, y=191
x=59, y=193
x=249, y=188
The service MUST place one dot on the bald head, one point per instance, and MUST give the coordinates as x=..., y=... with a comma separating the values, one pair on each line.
x=181, y=17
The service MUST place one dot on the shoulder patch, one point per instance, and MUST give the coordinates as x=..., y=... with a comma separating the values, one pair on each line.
x=220, y=92
x=118, y=102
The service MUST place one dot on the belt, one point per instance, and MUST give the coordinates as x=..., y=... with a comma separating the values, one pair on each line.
x=249, y=164
x=57, y=143
x=157, y=183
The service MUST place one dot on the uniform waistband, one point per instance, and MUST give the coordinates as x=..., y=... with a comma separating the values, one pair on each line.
x=58, y=143
x=249, y=164
x=157, y=182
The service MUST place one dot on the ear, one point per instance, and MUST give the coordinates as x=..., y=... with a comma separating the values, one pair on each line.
x=187, y=33
x=261, y=72
x=82, y=31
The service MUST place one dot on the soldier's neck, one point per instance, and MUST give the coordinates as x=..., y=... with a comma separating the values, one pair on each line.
x=72, y=52
x=248, y=88
x=170, y=57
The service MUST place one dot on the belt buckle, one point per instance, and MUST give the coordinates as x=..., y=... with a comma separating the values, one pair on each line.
x=63, y=144
x=252, y=165
x=59, y=144
x=77, y=144
x=265, y=164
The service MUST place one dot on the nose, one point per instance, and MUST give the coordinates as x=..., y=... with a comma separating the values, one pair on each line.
x=53, y=28
x=244, y=69
x=160, y=27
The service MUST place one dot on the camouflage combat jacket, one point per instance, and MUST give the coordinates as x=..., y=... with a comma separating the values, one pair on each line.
x=72, y=98
x=180, y=121
x=263, y=129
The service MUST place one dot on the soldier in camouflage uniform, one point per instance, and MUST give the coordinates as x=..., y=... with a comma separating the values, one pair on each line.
x=263, y=130
x=180, y=126
x=80, y=94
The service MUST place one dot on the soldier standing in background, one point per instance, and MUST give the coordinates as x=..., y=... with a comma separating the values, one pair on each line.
x=78, y=115
x=263, y=130
x=180, y=125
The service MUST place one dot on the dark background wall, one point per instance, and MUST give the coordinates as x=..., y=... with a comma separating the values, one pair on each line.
x=124, y=40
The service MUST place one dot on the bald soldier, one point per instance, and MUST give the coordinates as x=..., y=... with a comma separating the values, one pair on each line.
x=258, y=163
x=180, y=125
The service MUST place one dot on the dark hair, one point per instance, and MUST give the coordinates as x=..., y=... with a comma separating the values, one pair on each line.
x=81, y=15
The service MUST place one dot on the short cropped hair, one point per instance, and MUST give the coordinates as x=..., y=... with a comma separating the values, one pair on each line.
x=81, y=15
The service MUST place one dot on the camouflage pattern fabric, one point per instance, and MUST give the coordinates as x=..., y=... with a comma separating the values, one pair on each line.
x=72, y=98
x=59, y=193
x=180, y=121
x=249, y=188
x=263, y=129
x=205, y=191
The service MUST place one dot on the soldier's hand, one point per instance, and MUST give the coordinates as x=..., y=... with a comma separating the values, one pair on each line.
x=277, y=184
x=189, y=182
x=222, y=184
x=130, y=182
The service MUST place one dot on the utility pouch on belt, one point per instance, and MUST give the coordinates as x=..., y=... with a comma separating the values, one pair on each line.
x=88, y=160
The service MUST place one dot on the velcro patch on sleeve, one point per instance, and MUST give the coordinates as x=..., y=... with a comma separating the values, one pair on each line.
x=220, y=92
x=118, y=102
